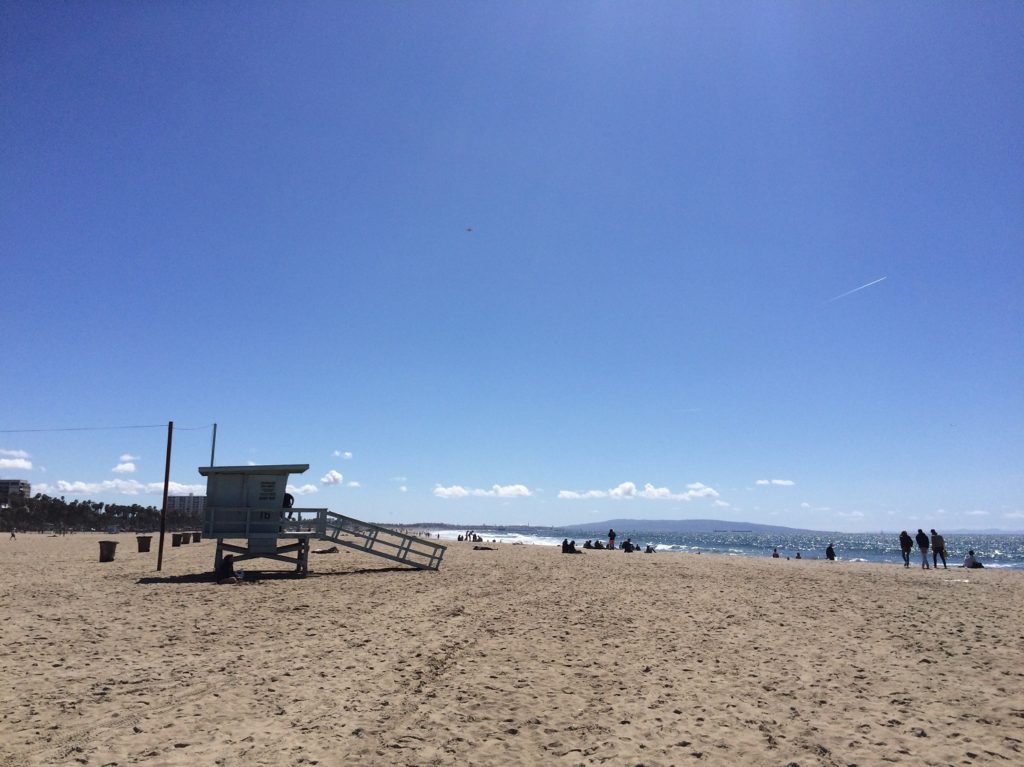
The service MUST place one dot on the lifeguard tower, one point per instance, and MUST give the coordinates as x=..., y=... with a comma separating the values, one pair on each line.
x=248, y=503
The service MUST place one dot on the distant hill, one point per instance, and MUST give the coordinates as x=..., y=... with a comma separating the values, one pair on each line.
x=684, y=526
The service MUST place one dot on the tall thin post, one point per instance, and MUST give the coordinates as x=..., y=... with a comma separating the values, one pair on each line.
x=213, y=445
x=163, y=509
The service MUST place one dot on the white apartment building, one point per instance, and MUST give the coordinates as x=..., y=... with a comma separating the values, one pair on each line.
x=186, y=504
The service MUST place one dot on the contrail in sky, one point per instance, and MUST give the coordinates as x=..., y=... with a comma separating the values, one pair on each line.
x=843, y=295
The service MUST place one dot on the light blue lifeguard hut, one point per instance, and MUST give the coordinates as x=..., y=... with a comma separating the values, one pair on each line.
x=248, y=511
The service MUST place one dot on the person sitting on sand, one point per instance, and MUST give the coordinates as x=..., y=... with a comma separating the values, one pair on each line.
x=797, y=555
x=226, y=570
x=598, y=545
x=830, y=553
x=588, y=545
x=775, y=553
x=628, y=546
x=970, y=561
x=649, y=549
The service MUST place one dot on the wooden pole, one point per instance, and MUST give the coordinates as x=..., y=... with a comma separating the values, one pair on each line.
x=163, y=509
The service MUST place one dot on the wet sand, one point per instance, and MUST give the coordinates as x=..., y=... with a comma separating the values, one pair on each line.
x=520, y=655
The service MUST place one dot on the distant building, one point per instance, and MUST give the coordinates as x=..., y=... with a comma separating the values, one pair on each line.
x=186, y=504
x=14, y=488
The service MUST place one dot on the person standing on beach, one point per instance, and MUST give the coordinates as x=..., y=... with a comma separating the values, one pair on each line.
x=922, y=544
x=611, y=539
x=938, y=550
x=830, y=553
x=906, y=546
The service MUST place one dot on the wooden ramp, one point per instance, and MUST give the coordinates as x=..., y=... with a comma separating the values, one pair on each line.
x=373, y=539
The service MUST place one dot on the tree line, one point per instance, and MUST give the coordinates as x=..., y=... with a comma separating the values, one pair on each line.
x=43, y=513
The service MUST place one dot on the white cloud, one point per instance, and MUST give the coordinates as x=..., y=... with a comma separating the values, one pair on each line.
x=976, y=513
x=573, y=495
x=455, y=491
x=511, y=491
x=403, y=489
x=723, y=504
x=343, y=454
x=251, y=463
x=1014, y=515
x=496, y=491
x=302, y=490
x=629, y=490
x=623, y=490
x=700, y=490
x=15, y=463
x=128, y=457
x=850, y=514
x=805, y=505
x=780, y=482
x=353, y=483
x=331, y=478
x=125, y=487
x=126, y=467
x=176, y=488
x=14, y=453
x=400, y=480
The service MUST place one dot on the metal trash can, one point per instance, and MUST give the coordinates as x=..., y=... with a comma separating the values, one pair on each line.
x=186, y=538
x=197, y=537
x=143, y=542
x=107, y=550
x=175, y=539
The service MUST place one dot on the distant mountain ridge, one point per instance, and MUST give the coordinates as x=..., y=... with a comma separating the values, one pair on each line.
x=686, y=526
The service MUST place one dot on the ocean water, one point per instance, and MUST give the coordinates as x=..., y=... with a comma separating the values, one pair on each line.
x=1001, y=551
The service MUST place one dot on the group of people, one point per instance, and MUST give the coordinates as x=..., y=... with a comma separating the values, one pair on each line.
x=925, y=543
x=569, y=547
x=937, y=544
x=775, y=553
x=830, y=554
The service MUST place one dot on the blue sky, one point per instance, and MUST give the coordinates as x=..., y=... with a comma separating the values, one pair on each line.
x=258, y=215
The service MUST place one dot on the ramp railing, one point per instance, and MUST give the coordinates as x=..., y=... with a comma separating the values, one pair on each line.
x=381, y=541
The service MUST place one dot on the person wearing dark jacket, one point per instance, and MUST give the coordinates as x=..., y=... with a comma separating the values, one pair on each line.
x=938, y=550
x=906, y=546
x=922, y=544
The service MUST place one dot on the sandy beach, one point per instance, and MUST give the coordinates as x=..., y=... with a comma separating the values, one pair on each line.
x=520, y=655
